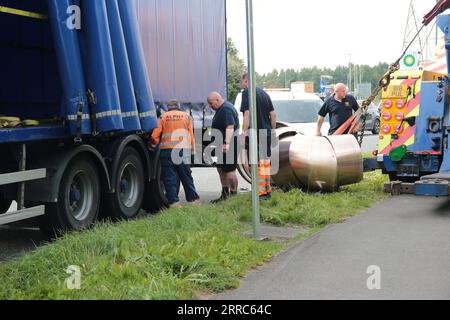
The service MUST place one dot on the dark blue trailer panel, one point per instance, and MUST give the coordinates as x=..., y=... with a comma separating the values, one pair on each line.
x=29, y=81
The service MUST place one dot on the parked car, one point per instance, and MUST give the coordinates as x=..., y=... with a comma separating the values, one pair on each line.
x=297, y=110
x=372, y=118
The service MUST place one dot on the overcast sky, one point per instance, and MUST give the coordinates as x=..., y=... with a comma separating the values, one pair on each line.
x=303, y=33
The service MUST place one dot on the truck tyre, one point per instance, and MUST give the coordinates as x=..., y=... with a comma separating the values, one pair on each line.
x=155, y=192
x=392, y=176
x=4, y=203
x=78, y=200
x=126, y=202
x=155, y=196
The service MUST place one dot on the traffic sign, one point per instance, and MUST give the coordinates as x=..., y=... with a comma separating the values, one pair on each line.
x=323, y=86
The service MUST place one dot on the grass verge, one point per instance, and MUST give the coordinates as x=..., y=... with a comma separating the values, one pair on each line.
x=178, y=254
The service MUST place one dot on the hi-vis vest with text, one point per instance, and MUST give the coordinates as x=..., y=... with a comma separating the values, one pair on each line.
x=175, y=130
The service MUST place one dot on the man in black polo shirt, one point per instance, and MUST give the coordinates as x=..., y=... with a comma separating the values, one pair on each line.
x=226, y=120
x=267, y=121
x=339, y=106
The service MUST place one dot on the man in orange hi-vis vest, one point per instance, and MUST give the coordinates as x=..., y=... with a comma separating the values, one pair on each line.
x=175, y=136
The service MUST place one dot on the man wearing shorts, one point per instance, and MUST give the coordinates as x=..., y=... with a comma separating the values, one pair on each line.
x=226, y=121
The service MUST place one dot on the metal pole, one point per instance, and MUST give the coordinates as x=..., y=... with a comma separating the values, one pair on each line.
x=253, y=121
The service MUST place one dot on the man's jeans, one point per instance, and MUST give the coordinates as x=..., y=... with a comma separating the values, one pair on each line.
x=170, y=172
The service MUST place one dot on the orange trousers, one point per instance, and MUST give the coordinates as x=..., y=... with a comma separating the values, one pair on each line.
x=264, y=177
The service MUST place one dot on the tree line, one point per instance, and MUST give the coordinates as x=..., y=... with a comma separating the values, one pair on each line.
x=284, y=78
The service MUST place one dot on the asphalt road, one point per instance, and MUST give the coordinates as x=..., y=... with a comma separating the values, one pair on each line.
x=370, y=143
x=406, y=238
x=17, y=239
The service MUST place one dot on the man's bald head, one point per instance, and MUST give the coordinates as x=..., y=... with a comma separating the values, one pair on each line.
x=340, y=91
x=215, y=100
x=214, y=95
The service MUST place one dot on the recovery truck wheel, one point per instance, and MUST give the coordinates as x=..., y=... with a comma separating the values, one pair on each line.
x=4, y=203
x=78, y=200
x=126, y=202
x=392, y=176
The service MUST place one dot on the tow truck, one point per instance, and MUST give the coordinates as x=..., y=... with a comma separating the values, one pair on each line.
x=413, y=146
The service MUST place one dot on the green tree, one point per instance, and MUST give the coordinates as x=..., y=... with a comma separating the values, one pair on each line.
x=273, y=80
x=236, y=68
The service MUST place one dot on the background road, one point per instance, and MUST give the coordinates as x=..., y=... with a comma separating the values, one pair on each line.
x=24, y=237
x=370, y=143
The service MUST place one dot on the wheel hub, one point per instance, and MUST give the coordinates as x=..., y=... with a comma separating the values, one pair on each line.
x=129, y=185
x=75, y=195
x=80, y=196
x=124, y=185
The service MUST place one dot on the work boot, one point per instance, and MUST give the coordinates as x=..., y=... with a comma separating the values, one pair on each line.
x=176, y=205
x=195, y=203
x=225, y=195
x=265, y=197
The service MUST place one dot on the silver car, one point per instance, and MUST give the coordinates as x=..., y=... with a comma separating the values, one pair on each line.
x=372, y=118
x=294, y=109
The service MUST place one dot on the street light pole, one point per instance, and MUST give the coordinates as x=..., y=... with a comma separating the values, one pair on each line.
x=254, y=122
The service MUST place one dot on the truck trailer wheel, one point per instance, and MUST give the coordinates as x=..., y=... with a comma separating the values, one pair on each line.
x=155, y=196
x=78, y=200
x=126, y=202
x=4, y=203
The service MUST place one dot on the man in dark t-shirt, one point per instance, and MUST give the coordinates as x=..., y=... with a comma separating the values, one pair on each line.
x=226, y=120
x=339, y=106
x=264, y=108
x=266, y=122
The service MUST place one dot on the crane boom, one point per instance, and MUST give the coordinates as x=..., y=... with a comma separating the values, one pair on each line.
x=440, y=7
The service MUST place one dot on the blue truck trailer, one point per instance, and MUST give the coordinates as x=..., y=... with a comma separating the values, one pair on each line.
x=81, y=85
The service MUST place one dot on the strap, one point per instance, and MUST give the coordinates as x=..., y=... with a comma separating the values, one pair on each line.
x=23, y=13
x=80, y=107
x=92, y=110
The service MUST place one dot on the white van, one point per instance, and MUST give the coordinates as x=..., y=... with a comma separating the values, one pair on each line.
x=296, y=109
